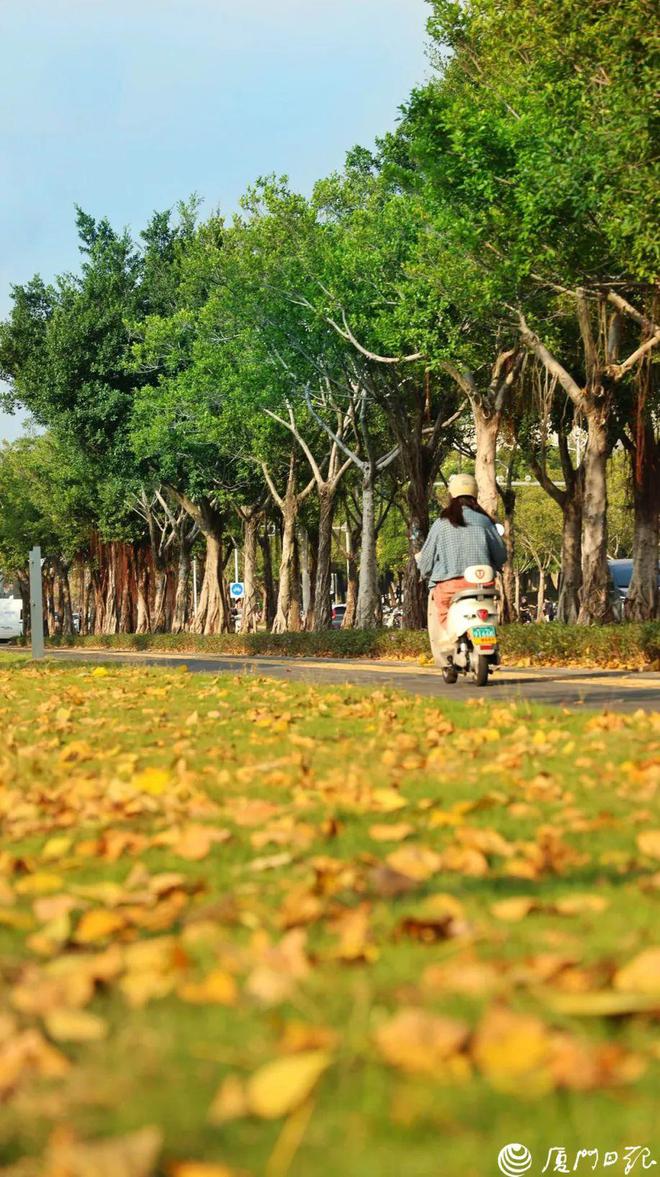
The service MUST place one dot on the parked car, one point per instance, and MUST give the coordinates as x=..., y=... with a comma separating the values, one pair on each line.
x=11, y=619
x=620, y=578
x=338, y=614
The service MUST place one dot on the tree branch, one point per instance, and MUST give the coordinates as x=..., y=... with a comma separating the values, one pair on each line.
x=552, y=365
x=628, y=309
x=348, y=335
x=617, y=371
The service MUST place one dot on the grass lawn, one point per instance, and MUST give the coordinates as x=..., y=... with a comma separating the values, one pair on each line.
x=281, y=930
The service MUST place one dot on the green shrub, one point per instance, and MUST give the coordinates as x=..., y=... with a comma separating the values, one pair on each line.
x=629, y=645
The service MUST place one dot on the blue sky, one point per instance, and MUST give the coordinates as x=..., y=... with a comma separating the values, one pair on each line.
x=126, y=106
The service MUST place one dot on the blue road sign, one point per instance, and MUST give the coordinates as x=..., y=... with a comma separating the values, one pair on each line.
x=236, y=590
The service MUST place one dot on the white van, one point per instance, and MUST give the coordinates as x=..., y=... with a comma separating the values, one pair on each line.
x=11, y=619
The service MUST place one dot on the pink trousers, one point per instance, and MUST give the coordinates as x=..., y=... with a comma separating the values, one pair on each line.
x=442, y=594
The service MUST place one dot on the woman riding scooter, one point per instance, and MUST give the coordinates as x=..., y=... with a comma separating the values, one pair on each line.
x=464, y=535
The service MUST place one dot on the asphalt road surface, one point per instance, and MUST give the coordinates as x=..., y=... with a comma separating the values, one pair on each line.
x=610, y=689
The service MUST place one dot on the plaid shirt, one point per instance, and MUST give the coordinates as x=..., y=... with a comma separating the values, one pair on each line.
x=449, y=550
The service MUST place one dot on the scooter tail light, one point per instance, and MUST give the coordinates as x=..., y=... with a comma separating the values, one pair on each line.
x=482, y=614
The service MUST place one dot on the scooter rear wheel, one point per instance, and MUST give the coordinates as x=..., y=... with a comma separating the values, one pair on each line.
x=481, y=670
x=450, y=674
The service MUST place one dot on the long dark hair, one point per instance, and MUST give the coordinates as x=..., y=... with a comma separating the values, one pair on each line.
x=454, y=510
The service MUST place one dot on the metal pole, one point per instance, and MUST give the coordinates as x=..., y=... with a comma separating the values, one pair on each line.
x=194, y=570
x=36, y=604
x=236, y=562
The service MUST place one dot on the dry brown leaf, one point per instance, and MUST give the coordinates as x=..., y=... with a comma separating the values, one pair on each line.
x=439, y=917
x=28, y=1053
x=281, y=1086
x=415, y=862
x=417, y=1041
x=473, y=978
x=388, y=883
x=195, y=841
x=298, y=1036
x=464, y=860
x=301, y=905
x=355, y=940
x=217, y=988
x=134, y=1155
x=487, y=841
x=583, y=1066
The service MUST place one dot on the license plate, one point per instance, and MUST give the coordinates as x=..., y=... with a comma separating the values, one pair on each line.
x=484, y=634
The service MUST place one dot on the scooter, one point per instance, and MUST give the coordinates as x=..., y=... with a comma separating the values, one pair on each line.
x=471, y=628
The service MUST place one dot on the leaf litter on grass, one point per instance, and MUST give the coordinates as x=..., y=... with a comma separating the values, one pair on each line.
x=291, y=896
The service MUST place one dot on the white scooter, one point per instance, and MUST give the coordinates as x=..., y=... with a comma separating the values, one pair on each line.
x=467, y=643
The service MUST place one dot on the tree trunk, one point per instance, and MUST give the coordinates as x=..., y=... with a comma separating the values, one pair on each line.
x=158, y=613
x=352, y=547
x=294, y=620
x=486, y=430
x=251, y=521
x=269, y=605
x=48, y=593
x=642, y=603
x=66, y=608
x=313, y=554
x=540, y=595
x=287, y=560
x=88, y=604
x=127, y=588
x=568, y=606
x=24, y=589
x=181, y=597
x=213, y=607
x=322, y=602
x=142, y=584
x=508, y=573
x=368, y=598
x=414, y=588
x=303, y=542
x=595, y=603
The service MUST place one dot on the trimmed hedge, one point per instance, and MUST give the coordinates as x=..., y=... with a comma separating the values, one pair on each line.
x=630, y=645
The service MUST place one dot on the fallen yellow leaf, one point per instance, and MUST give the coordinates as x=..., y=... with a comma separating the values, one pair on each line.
x=282, y=1085
x=649, y=843
x=641, y=975
x=151, y=780
x=97, y=924
x=514, y=909
x=75, y=1025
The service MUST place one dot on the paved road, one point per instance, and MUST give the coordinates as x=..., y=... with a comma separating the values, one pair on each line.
x=611, y=689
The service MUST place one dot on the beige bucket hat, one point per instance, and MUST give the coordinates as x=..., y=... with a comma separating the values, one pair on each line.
x=462, y=484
